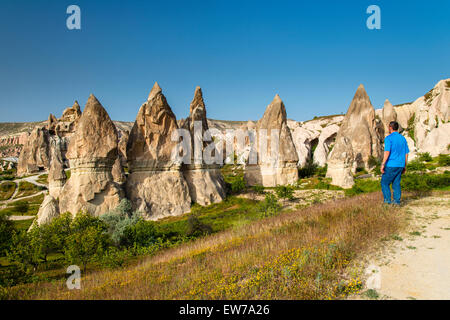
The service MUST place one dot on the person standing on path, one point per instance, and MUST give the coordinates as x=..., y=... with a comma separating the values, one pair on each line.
x=394, y=163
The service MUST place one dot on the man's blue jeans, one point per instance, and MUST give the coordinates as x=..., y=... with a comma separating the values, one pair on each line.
x=391, y=175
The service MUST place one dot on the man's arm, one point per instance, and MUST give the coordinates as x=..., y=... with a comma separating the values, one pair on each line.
x=385, y=158
x=406, y=162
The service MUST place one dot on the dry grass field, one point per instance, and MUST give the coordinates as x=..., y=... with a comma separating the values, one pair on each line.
x=303, y=254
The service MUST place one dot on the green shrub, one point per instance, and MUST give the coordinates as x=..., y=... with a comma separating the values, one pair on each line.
x=363, y=186
x=444, y=160
x=410, y=128
x=322, y=171
x=119, y=219
x=6, y=233
x=270, y=206
x=425, y=157
x=258, y=189
x=326, y=186
x=373, y=161
x=141, y=234
x=308, y=170
x=114, y=257
x=284, y=192
x=425, y=182
x=196, y=228
x=415, y=165
x=238, y=184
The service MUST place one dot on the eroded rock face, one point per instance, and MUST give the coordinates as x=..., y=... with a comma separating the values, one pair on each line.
x=35, y=153
x=155, y=183
x=48, y=210
x=71, y=114
x=432, y=114
x=117, y=172
x=56, y=174
x=340, y=164
x=388, y=114
x=326, y=138
x=277, y=166
x=364, y=138
x=92, y=152
x=205, y=182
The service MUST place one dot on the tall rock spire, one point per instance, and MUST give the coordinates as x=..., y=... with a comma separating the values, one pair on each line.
x=206, y=184
x=92, y=151
x=360, y=136
x=155, y=184
x=279, y=165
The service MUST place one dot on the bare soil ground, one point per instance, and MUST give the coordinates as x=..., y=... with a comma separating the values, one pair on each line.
x=415, y=264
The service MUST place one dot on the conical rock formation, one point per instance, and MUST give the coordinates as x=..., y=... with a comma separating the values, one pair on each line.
x=277, y=156
x=92, y=152
x=364, y=138
x=206, y=184
x=48, y=210
x=388, y=114
x=155, y=183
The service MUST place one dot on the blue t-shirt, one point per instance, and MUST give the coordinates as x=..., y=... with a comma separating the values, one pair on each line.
x=396, y=144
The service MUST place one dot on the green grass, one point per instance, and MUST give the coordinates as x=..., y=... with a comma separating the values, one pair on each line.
x=27, y=189
x=316, y=183
x=220, y=216
x=43, y=178
x=22, y=224
x=7, y=190
x=363, y=186
x=26, y=207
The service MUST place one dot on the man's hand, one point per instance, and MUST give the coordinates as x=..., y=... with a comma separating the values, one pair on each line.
x=404, y=170
x=382, y=168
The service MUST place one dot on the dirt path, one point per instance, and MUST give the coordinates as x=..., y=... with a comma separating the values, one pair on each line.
x=417, y=264
x=31, y=179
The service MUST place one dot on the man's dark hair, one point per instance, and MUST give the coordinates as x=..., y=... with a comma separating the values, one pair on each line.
x=393, y=125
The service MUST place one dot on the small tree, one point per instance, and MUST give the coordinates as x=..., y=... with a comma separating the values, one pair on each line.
x=85, y=246
x=285, y=192
x=6, y=233
x=87, y=240
x=270, y=206
x=22, y=252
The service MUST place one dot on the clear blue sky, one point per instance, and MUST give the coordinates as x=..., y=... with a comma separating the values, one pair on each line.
x=313, y=53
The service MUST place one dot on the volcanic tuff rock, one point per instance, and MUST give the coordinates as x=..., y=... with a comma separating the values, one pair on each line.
x=48, y=210
x=155, y=184
x=278, y=165
x=340, y=163
x=326, y=139
x=92, y=152
x=205, y=181
x=431, y=122
x=388, y=114
x=56, y=174
x=364, y=137
x=117, y=172
x=35, y=153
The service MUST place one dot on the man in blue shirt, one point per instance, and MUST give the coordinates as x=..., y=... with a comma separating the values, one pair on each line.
x=394, y=163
